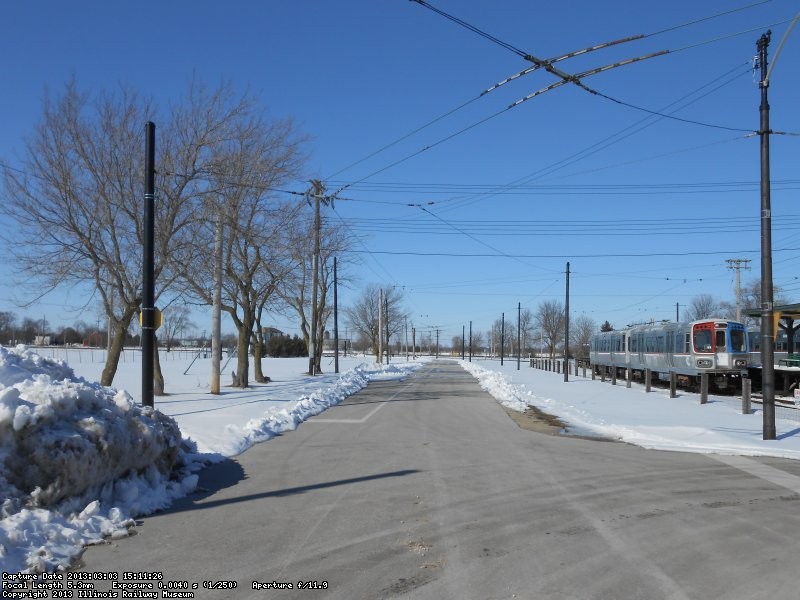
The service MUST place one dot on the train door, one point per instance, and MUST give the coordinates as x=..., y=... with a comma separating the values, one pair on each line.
x=721, y=348
x=627, y=343
x=670, y=350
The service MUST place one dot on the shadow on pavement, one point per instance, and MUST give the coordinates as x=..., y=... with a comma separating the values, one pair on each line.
x=228, y=473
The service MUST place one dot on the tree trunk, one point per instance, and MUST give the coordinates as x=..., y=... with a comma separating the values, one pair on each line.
x=240, y=380
x=158, y=376
x=258, y=353
x=117, y=344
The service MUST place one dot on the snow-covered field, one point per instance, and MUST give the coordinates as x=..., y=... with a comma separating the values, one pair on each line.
x=73, y=454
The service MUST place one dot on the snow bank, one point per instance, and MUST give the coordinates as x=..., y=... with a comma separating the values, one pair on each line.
x=499, y=387
x=274, y=422
x=76, y=459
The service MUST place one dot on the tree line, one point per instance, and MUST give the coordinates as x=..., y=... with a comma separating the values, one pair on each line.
x=221, y=162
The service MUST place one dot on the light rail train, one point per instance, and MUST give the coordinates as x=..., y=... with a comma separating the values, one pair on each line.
x=717, y=347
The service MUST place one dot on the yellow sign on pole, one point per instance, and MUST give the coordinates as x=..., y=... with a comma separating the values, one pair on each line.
x=158, y=318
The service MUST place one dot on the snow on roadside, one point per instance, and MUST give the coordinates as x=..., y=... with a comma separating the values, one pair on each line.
x=316, y=399
x=499, y=387
x=650, y=420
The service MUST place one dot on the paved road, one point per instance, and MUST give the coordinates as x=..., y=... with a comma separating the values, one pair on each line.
x=426, y=489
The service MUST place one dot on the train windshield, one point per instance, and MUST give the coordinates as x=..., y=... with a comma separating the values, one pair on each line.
x=702, y=339
x=738, y=340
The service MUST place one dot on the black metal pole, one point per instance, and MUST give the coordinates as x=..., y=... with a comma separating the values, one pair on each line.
x=148, y=269
x=462, y=342
x=767, y=328
x=335, y=320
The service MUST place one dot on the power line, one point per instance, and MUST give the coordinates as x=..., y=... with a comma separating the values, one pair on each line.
x=564, y=256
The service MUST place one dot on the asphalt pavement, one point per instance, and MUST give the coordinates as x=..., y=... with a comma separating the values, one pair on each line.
x=426, y=489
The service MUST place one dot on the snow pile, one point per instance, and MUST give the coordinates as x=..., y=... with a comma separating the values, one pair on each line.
x=275, y=422
x=77, y=461
x=500, y=388
x=650, y=420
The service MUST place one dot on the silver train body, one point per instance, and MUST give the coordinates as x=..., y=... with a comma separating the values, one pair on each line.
x=780, y=350
x=717, y=347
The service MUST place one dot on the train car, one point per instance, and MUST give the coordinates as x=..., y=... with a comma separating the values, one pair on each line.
x=780, y=349
x=717, y=347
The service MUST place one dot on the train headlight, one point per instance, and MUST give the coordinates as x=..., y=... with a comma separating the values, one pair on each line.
x=704, y=363
x=740, y=362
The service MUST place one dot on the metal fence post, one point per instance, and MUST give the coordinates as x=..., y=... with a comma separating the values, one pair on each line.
x=673, y=384
x=628, y=377
x=648, y=377
x=703, y=388
x=613, y=375
x=746, y=387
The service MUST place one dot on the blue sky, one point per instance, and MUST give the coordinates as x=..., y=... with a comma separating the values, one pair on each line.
x=645, y=209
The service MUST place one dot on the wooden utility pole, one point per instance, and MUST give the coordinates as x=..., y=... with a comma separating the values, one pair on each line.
x=312, y=346
x=566, y=331
x=335, y=320
x=737, y=264
x=767, y=332
x=380, y=326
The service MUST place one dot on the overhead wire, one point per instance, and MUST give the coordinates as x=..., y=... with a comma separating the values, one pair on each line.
x=538, y=63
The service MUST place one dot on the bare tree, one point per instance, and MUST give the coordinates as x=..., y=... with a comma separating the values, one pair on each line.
x=257, y=227
x=363, y=315
x=78, y=201
x=298, y=293
x=702, y=306
x=175, y=320
x=550, y=317
x=527, y=325
x=477, y=342
x=751, y=294
x=581, y=330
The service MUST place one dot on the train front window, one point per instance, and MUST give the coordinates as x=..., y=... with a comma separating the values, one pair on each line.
x=738, y=340
x=702, y=340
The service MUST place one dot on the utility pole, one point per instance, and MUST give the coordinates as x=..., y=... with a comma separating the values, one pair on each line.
x=335, y=320
x=519, y=334
x=148, y=267
x=502, y=336
x=462, y=342
x=470, y=341
x=405, y=320
x=437, y=343
x=566, y=331
x=767, y=333
x=386, y=320
x=677, y=312
x=737, y=264
x=380, y=326
x=414, y=341
x=312, y=361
